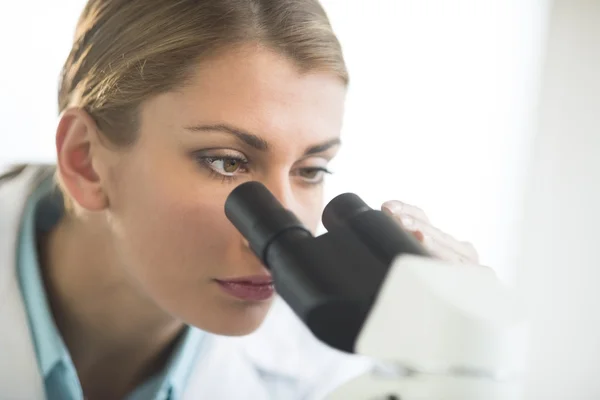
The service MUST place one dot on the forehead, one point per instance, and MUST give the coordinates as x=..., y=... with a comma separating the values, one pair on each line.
x=261, y=91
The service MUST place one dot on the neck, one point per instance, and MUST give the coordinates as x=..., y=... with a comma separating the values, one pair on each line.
x=115, y=334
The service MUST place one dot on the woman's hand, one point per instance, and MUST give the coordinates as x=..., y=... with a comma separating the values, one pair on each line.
x=440, y=244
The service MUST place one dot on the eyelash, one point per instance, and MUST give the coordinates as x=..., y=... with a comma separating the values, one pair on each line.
x=206, y=161
x=324, y=172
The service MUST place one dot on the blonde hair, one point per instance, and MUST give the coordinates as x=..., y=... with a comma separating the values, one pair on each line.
x=126, y=51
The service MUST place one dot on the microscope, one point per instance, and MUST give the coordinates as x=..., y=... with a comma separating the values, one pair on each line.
x=435, y=330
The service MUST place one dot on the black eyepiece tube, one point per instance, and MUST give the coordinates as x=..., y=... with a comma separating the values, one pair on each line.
x=259, y=216
x=341, y=209
x=380, y=233
x=329, y=281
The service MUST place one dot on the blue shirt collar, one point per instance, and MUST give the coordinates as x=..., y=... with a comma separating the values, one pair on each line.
x=48, y=342
x=42, y=211
x=177, y=372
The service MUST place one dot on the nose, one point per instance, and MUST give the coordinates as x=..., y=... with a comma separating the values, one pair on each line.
x=281, y=189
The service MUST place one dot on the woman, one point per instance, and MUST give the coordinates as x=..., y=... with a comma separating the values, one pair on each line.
x=128, y=281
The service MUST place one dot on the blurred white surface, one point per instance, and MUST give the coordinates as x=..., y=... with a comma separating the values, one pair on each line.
x=35, y=38
x=438, y=115
x=559, y=262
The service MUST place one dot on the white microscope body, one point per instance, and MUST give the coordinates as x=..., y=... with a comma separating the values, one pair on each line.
x=441, y=332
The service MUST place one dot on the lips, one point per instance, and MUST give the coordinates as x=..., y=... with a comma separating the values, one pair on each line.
x=249, y=288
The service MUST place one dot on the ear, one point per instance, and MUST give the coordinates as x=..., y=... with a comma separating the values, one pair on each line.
x=77, y=152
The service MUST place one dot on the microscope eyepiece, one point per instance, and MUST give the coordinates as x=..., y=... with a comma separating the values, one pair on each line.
x=259, y=216
x=341, y=209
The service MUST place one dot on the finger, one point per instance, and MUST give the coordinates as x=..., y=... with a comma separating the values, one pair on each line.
x=395, y=207
x=443, y=252
x=470, y=251
x=443, y=242
x=408, y=217
x=409, y=224
x=418, y=235
x=464, y=249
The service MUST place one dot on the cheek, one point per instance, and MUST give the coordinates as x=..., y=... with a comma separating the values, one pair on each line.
x=188, y=236
x=173, y=234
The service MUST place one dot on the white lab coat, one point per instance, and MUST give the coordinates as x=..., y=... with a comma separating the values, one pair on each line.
x=281, y=360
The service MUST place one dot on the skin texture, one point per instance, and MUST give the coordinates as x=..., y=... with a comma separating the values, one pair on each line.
x=139, y=256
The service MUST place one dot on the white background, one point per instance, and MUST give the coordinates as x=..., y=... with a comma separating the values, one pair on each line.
x=440, y=110
x=559, y=263
x=438, y=115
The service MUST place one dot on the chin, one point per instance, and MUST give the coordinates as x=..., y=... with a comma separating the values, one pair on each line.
x=237, y=319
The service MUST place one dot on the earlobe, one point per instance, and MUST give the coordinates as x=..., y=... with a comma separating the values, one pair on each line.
x=76, y=150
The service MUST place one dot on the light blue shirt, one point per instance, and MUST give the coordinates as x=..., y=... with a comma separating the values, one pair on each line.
x=42, y=211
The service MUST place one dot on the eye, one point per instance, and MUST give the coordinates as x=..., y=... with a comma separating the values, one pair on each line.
x=227, y=166
x=313, y=175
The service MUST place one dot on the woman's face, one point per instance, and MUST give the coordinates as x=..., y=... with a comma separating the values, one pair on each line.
x=245, y=116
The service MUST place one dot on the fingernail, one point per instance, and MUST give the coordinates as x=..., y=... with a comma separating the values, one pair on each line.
x=419, y=236
x=392, y=207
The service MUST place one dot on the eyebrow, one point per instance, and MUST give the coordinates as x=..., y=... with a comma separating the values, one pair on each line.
x=256, y=141
x=246, y=137
x=320, y=148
